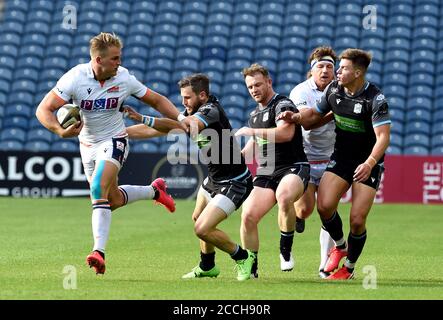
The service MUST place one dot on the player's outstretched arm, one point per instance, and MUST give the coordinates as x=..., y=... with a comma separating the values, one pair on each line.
x=45, y=114
x=161, y=104
x=151, y=127
x=307, y=117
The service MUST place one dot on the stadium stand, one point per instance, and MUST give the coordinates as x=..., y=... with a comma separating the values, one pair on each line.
x=165, y=40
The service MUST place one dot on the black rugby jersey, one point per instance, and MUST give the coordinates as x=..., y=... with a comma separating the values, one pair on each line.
x=286, y=153
x=355, y=119
x=218, y=146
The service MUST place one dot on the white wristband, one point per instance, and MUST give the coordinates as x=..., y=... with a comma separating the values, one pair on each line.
x=148, y=121
x=181, y=117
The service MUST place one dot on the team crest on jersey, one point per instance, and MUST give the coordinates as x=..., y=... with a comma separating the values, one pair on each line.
x=266, y=116
x=338, y=100
x=113, y=89
x=334, y=90
x=357, y=108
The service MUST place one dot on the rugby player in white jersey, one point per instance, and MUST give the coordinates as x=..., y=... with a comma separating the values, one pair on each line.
x=318, y=142
x=99, y=88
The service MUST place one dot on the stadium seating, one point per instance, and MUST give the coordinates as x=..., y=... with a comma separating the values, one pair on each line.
x=166, y=40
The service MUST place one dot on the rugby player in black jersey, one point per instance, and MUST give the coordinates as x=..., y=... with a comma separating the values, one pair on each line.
x=283, y=169
x=362, y=136
x=229, y=181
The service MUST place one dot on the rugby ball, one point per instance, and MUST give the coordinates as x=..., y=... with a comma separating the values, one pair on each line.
x=68, y=114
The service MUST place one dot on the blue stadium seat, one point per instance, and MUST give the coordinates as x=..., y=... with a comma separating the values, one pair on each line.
x=397, y=114
x=186, y=64
x=38, y=16
x=399, y=32
x=8, y=53
x=240, y=53
x=15, y=122
x=437, y=140
x=243, y=30
x=216, y=41
x=90, y=16
x=159, y=64
x=164, y=41
x=144, y=6
x=46, y=85
x=269, y=30
x=116, y=17
x=190, y=40
x=397, y=126
x=401, y=9
x=157, y=75
x=397, y=78
x=244, y=18
x=418, y=114
x=417, y=139
x=40, y=134
x=141, y=18
x=399, y=55
x=141, y=29
x=170, y=29
x=32, y=51
x=398, y=43
x=26, y=74
x=249, y=6
x=51, y=74
x=36, y=146
x=195, y=6
x=160, y=87
x=4, y=86
x=137, y=40
x=14, y=16
x=242, y=42
x=37, y=27
x=237, y=100
x=421, y=91
x=188, y=52
x=15, y=133
x=319, y=41
x=193, y=30
x=5, y=74
x=426, y=21
x=272, y=7
x=395, y=150
x=64, y=146
x=425, y=32
x=234, y=76
x=394, y=90
x=402, y=21
x=266, y=54
x=215, y=29
x=298, y=8
x=321, y=31
x=424, y=44
x=23, y=85
x=417, y=150
x=61, y=51
x=234, y=113
x=437, y=151
x=437, y=127
x=11, y=145
x=418, y=127
x=118, y=6
x=342, y=43
x=97, y=6
x=56, y=62
x=63, y=39
x=115, y=27
x=12, y=27
x=215, y=53
x=10, y=38
x=325, y=8
x=212, y=65
x=423, y=68
x=135, y=51
x=271, y=19
x=373, y=77
x=167, y=17
x=234, y=88
x=291, y=66
x=423, y=55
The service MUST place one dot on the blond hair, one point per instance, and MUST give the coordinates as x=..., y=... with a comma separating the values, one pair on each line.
x=254, y=69
x=99, y=44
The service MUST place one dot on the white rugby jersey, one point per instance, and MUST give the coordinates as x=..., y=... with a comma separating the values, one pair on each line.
x=99, y=102
x=318, y=143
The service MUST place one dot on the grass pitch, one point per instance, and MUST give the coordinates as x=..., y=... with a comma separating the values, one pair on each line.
x=44, y=243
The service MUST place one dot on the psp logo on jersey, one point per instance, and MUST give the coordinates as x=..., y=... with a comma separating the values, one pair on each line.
x=357, y=108
x=120, y=145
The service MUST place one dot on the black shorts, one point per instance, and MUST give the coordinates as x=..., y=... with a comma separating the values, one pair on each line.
x=236, y=190
x=271, y=181
x=345, y=169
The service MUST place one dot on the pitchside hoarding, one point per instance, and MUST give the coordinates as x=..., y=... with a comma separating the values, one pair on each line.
x=48, y=174
x=409, y=179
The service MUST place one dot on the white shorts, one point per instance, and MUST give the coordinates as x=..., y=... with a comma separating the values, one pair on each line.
x=115, y=150
x=317, y=170
x=219, y=200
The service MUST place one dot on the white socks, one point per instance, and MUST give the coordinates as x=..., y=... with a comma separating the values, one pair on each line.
x=101, y=223
x=326, y=244
x=135, y=193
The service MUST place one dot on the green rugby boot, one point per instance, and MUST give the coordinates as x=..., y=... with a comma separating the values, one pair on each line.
x=197, y=272
x=244, y=266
